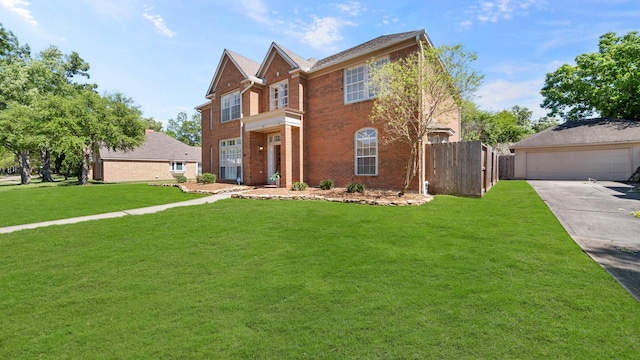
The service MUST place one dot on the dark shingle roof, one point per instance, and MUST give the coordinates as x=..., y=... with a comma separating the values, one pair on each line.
x=157, y=146
x=304, y=64
x=369, y=46
x=584, y=132
x=247, y=66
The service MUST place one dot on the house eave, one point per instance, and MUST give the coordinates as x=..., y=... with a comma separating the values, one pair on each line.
x=568, y=145
x=272, y=120
x=421, y=34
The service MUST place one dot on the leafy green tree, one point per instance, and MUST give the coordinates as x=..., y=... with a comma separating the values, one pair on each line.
x=606, y=82
x=416, y=90
x=43, y=109
x=7, y=158
x=25, y=84
x=492, y=128
x=523, y=115
x=86, y=121
x=185, y=130
x=152, y=124
x=543, y=123
x=14, y=92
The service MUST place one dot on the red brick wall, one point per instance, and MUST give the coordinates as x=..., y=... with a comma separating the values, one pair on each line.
x=214, y=131
x=330, y=127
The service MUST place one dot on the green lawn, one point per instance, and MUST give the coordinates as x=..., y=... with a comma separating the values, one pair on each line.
x=457, y=278
x=29, y=204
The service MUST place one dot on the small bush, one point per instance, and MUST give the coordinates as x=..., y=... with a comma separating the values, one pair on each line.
x=181, y=179
x=299, y=186
x=207, y=178
x=326, y=184
x=355, y=187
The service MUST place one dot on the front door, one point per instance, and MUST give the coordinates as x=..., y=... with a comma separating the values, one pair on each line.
x=273, y=158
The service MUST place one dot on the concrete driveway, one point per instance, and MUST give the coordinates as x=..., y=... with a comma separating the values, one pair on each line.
x=598, y=217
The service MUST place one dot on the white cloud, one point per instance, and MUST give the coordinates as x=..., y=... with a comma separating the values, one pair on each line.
x=322, y=33
x=386, y=20
x=496, y=10
x=502, y=94
x=352, y=8
x=256, y=10
x=20, y=7
x=158, y=22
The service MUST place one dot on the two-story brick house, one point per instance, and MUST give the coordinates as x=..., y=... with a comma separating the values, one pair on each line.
x=306, y=119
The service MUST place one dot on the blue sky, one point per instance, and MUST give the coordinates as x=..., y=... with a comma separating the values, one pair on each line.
x=163, y=54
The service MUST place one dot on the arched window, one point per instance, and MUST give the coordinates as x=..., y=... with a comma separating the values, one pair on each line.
x=366, y=152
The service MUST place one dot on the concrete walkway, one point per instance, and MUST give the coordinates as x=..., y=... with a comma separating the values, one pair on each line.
x=116, y=214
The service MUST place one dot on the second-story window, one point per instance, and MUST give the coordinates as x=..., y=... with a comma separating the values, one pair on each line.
x=356, y=82
x=230, y=106
x=279, y=95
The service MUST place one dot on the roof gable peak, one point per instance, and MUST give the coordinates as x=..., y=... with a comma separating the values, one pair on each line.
x=246, y=66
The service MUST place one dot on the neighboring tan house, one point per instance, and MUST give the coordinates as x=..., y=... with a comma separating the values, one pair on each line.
x=160, y=157
x=306, y=119
x=600, y=149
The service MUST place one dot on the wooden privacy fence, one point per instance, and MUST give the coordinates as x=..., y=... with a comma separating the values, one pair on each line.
x=461, y=168
x=507, y=167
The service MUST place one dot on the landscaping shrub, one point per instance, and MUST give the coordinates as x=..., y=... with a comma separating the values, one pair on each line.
x=355, y=187
x=299, y=186
x=207, y=178
x=326, y=184
x=181, y=179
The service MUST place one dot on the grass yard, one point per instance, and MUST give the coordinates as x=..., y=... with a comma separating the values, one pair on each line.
x=457, y=278
x=26, y=204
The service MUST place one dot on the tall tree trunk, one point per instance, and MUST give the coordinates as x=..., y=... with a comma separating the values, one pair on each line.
x=25, y=167
x=83, y=178
x=412, y=168
x=46, y=166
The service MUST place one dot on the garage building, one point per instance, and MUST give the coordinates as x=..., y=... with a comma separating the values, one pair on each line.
x=600, y=149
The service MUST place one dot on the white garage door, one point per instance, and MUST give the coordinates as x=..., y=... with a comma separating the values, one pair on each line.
x=606, y=164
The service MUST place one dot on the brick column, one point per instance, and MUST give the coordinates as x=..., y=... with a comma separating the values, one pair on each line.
x=301, y=151
x=286, y=160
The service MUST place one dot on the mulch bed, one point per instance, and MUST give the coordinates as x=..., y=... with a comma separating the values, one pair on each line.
x=370, y=197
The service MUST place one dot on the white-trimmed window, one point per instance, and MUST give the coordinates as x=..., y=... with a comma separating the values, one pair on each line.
x=177, y=166
x=366, y=154
x=356, y=82
x=279, y=95
x=230, y=159
x=438, y=138
x=230, y=106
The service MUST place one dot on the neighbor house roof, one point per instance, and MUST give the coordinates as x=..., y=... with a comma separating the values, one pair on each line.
x=584, y=132
x=157, y=146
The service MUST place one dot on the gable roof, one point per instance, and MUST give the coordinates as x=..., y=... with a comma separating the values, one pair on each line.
x=252, y=71
x=247, y=67
x=584, y=132
x=294, y=60
x=370, y=46
x=157, y=146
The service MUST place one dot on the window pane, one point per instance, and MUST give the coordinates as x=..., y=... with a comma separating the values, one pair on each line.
x=230, y=107
x=366, y=152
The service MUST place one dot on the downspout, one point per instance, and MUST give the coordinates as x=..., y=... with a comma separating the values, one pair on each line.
x=201, y=147
x=242, y=131
x=422, y=187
